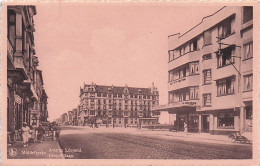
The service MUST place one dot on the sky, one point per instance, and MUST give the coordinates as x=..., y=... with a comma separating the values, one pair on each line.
x=106, y=44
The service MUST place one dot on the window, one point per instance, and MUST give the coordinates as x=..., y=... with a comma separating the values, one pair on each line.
x=11, y=27
x=207, y=37
x=104, y=95
x=248, y=82
x=171, y=55
x=207, y=76
x=195, y=45
x=194, y=92
x=104, y=101
x=247, y=13
x=98, y=94
x=207, y=99
x=225, y=120
x=194, y=68
x=206, y=56
x=225, y=28
x=92, y=112
x=249, y=113
x=226, y=86
x=120, y=96
x=248, y=50
x=225, y=56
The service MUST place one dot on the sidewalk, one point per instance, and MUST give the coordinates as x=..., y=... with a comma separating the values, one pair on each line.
x=194, y=137
x=45, y=150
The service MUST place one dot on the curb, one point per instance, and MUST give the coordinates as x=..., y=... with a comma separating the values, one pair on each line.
x=60, y=150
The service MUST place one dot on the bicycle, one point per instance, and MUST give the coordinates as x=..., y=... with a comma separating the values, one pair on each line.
x=238, y=137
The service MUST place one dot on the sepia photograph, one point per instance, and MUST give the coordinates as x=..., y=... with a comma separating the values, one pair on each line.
x=128, y=81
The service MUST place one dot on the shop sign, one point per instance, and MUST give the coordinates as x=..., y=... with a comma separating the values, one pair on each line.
x=18, y=99
x=34, y=111
x=185, y=103
x=179, y=80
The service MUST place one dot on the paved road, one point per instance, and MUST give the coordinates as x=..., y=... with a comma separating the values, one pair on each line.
x=86, y=143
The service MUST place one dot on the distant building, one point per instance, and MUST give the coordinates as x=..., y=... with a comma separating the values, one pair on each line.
x=65, y=119
x=210, y=84
x=118, y=106
x=70, y=117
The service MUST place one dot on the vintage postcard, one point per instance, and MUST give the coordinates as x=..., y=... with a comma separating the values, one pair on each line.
x=129, y=83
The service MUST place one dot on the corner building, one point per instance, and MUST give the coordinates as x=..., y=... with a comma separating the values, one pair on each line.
x=210, y=72
x=118, y=106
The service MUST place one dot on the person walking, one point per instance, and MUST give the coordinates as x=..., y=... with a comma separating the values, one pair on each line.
x=185, y=128
x=25, y=134
x=57, y=131
x=41, y=133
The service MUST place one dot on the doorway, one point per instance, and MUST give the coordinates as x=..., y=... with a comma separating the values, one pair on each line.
x=205, y=123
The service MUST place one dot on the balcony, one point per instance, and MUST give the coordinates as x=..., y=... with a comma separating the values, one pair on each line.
x=10, y=50
x=183, y=59
x=191, y=80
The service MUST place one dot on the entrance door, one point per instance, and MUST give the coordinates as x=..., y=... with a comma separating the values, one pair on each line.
x=126, y=122
x=205, y=123
x=181, y=123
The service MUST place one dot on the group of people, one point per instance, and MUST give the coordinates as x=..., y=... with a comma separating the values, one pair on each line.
x=29, y=133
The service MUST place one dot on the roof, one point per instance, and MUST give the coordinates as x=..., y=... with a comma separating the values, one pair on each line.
x=197, y=24
x=119, y=89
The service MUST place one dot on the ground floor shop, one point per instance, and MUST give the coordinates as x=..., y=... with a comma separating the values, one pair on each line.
x=223, y=121
x=21, y=107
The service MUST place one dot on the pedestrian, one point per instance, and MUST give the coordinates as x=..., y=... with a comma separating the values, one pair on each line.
x=185, y=128
x=58, y=129
x=41, y=133
x=25, y=134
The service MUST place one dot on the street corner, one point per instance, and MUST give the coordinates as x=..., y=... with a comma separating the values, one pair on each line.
x=43, y=150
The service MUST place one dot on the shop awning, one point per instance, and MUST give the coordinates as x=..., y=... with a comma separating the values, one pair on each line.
x=32, y=90
x=35, y=96
x=177, y=106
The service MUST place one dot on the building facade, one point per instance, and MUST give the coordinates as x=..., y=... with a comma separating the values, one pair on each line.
x=210, y=70
x=25, y=92
x=117, y=106
x=64, y=119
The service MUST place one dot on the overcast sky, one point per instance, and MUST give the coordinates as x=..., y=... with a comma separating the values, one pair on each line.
x=105, y=44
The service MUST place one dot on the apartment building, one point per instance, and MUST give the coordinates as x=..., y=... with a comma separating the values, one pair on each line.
x=210, y=68
x=118, y=106
x=26, y=97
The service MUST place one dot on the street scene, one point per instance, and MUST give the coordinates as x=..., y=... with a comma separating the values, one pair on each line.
x=132, y=143
x=83, y=87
